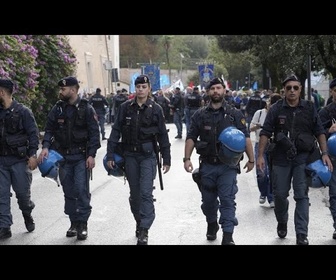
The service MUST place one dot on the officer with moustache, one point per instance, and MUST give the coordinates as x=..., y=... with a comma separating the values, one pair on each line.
x=218, y=175
x=72, y=130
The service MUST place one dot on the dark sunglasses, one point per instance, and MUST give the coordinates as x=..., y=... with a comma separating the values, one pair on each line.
x=294, y=87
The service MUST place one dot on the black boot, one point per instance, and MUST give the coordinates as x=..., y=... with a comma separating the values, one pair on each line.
x=5, y=233
x=72, y=231
x=29, y=222
x=282, y=230
x=143, y=236
x=227, y=239
x=82, y=231
x=212, y=231
x=301, y=239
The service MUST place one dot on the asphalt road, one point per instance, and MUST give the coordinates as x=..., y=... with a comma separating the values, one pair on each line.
x=179, y=220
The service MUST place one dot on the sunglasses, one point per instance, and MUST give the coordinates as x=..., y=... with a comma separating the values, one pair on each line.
x=294, y=87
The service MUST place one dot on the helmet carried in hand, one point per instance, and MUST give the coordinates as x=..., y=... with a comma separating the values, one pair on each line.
x=319, y=174
x=331, y=144
x=49, y=167
x=118, y=169
x=232, y=145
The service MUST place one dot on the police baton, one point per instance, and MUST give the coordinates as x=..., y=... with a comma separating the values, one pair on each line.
x=156, y=150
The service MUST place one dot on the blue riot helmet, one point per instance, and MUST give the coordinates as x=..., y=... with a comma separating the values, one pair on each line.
x=319, y=174
x=49, y=167
x=118, y=169
x=331, y=144
x=232, y=144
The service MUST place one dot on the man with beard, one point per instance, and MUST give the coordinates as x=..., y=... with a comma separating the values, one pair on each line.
x=72, y=130
x=218, y=168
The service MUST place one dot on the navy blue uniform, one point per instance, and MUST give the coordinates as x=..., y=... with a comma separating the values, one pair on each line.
x=73, y=131
x=327, y=115
x=289, y=158
x=19, y=140
x=99, y=102
x=218, y=179
x=138, y=128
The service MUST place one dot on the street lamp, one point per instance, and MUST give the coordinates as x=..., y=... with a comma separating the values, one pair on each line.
x=182, y=56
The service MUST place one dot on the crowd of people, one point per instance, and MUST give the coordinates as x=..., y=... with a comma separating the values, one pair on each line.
x=291, y=134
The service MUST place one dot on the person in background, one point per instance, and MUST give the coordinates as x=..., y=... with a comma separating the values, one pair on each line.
x=218, y=172
x=19, y=140
x=164, y=102
x=99, y=103
x=253, y=104
x=78, y=148
x=295, y=126
x=263, y=176
x=176, y=103
x=140, y=129
x=193, y=101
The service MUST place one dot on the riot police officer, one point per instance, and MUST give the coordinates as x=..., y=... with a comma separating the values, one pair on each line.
x=19, y=140
x=72, y=130
x=328, y=117
x=295, y=127
x=193, y=102
x=218, y=171
x=140, y=124
x=98, y=102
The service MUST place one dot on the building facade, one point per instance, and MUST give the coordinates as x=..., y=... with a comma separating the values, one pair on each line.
x=97, y=56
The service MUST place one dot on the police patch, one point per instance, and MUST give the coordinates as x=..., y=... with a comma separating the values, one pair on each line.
x=243, y=121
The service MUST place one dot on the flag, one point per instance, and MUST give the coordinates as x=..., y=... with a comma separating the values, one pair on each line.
x=255, y=85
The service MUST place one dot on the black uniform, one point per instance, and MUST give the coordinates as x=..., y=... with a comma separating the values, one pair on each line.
x=73, y=131
x=294, y=130
x=99, y=102
x=139, y=128
x=19, y=140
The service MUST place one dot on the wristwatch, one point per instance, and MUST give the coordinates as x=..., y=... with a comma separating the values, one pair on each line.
x=185, y=159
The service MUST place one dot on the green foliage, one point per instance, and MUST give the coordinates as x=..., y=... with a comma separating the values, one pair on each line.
x=35, y=63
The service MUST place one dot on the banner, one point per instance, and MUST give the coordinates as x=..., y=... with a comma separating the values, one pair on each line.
x=205, y=74
x=153, y=72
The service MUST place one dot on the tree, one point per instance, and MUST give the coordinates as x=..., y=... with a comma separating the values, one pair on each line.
x=35, y=63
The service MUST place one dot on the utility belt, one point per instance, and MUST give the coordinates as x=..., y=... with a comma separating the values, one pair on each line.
x=19, y=151
x=72, y=151
x=146, y=147
x=210, y=160
x=193, y=108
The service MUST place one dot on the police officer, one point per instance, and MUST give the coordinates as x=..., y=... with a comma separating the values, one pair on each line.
x=328, y=117
x=19, y=140
x=218, y=177
x=193, y=101
x=99, y=102
x=72, y=130
x=118, y=99
x=295, y=125
x=140, y=124
x=177, y=104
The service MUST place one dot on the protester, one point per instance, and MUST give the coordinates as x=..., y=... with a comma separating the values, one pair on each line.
x=217, y=171
x=295, y=125
x=72, y=130
x=140, y=126
x=263, y=176
x=19, y=140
